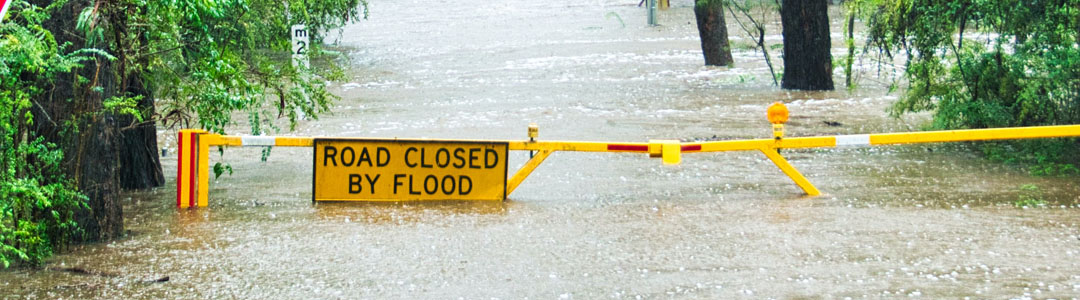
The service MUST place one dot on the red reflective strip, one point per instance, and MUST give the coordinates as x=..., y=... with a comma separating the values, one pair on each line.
x=194, y=168
x=686, y=148
x=617, y=147
x=179, y=165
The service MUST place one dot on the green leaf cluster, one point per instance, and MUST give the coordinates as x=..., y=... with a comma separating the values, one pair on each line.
x=37, y=201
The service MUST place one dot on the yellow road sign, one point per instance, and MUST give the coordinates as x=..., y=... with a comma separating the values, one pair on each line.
x=408, y=170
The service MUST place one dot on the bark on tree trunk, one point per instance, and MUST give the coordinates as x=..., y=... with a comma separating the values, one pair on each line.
x=101, y=156
x=139, y=165
x=807, y=60
x=713, y=31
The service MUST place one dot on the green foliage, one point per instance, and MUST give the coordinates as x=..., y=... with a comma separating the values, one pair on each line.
x=206, y=60
x=124, y=105
x=1030, y=196
x=1022, y=68
x=37, y=202
x=220, y=168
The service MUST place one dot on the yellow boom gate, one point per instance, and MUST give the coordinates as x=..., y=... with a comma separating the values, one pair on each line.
x=479, y=159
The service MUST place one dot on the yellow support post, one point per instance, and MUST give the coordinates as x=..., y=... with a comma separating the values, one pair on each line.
x=790, y=171
x=525, y=170
x=203, y=156
x=183, y=168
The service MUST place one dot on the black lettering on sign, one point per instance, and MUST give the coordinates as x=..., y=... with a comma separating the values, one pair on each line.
x=352, y=156
x=302, y=46
x=300, y=33
x=461, y=159
x=328, y=153
x=473, y=156
x=408, y=162
x=490, y=162
x=382, y=156
x=452, y=184
x=354, y=184
x=397, y=181
x=364, y=156
x=411, y=192
x=434, y=184
x=439, y=161
x=423, y=155
x=371, y=181
x=461, y=182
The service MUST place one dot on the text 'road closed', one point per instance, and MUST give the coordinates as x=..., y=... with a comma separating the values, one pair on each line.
x=403, y=170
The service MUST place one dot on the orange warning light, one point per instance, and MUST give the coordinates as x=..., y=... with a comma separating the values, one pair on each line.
x=778, y=113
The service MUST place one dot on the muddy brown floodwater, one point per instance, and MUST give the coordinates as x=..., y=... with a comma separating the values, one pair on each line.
x=931, y=221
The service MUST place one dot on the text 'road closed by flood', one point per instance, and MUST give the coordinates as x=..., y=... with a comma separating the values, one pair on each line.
x=404, y=170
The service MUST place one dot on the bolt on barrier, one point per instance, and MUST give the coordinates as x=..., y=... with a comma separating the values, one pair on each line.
x=486, y=159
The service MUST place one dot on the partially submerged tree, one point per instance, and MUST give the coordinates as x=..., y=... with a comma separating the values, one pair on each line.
x=713, y=31
x=807, y=56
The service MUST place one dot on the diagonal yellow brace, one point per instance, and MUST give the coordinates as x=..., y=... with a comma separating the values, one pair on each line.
x=790, y=171
x=527, y=169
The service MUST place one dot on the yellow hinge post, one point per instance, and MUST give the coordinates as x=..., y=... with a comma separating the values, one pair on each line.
x=192, y=170
x=183, y=171
x=203, y=186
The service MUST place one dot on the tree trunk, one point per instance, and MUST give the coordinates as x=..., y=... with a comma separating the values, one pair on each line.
x=807, y=60
x=103, y=153
x=713, y=31
x=139, y=164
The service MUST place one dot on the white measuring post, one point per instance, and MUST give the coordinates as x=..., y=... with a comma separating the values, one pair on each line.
x=301, y=44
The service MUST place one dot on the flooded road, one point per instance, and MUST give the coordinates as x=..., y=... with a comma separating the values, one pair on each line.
x=931, y=221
